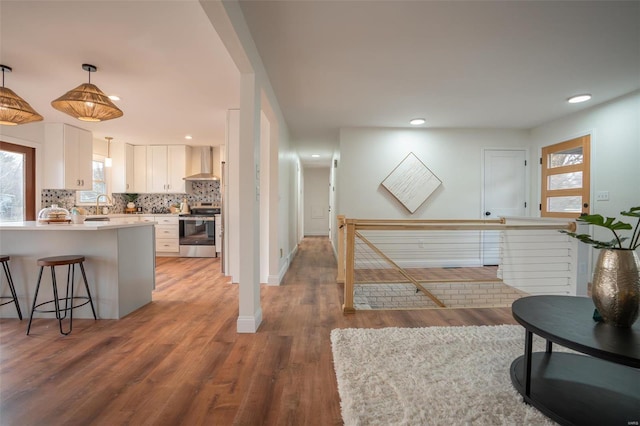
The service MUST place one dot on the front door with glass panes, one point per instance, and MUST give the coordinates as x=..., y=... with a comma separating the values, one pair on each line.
x=565, y=178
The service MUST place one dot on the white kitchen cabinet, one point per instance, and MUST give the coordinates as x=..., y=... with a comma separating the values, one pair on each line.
x=122, y=171
x=167, y=165
x=132, y=218
x=167, y=235
x=68, y=157
x=179, y=166
x=167, y=232
x=139, y=168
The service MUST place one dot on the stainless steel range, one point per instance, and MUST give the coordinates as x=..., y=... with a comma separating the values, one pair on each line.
x=198, y=231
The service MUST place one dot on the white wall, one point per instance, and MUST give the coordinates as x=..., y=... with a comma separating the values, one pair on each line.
x=615, y=154
x=367, y=156
x=228, y=20
x=316, y=201
x=615, y=150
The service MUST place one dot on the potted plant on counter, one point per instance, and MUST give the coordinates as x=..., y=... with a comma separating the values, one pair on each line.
x=616, y=279
x=130, y=199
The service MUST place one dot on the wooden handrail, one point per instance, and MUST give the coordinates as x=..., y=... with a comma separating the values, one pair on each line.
x=457, y=226
x=421, y=221
x=341, y=236
x=347, y=230
x=348, y=308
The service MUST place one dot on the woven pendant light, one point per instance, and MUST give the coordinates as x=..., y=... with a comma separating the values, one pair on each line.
x=13, y=109
x=86, y=102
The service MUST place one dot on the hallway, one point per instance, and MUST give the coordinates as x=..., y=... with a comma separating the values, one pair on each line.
x=179, y=360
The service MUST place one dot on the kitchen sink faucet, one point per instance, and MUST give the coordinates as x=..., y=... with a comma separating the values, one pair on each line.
x=98, y=201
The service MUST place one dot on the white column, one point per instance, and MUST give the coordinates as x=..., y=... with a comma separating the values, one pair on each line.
x=231, y=196
x=273, y=203
x=250, y=311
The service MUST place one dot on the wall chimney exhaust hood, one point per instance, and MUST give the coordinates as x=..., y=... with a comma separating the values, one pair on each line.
x=206, y=166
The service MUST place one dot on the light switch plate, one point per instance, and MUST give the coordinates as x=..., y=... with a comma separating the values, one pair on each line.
x=602, y=196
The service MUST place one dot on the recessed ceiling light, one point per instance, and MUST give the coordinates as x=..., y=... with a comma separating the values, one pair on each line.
x=315, y=155
x=114, y=97
x=579, y=98
x=417, y=121
x=188, y=137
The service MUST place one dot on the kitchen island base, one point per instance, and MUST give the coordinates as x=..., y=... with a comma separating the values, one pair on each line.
x=120, y=263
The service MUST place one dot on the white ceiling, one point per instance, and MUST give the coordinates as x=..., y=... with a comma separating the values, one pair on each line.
x=332, y=64
x=163, y=58
x=458, y=64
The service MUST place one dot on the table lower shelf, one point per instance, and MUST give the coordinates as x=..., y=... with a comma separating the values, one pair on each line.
x=575, y=389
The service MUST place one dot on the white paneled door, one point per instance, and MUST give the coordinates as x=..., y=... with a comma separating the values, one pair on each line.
x=504, y=194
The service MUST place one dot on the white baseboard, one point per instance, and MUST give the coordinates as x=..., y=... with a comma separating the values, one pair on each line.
x=249, y=324
x=274, y=279
x=277, y=279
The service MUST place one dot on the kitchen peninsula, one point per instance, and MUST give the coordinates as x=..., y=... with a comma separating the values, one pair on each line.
x=120, y=263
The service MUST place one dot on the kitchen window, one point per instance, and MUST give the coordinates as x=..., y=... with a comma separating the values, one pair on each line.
x=100, y=183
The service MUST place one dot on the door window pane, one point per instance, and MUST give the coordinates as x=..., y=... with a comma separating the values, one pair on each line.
x=565, y=181
x=12, y=166
x=566, y=158
x=564, y=204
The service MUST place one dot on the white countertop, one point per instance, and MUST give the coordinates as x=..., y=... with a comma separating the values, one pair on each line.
x=87, y=226
x=134, y=214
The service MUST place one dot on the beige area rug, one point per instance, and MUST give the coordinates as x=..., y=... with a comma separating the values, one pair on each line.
x=431, y=376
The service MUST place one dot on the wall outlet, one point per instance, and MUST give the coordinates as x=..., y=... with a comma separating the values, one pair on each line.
x=602, y=196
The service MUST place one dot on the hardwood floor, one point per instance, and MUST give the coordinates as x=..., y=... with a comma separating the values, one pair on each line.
x=179, y=360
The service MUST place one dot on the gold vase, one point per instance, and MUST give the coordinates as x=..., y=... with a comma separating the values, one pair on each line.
x=616, y=286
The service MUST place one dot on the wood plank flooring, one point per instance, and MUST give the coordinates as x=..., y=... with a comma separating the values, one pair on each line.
x=179, y=360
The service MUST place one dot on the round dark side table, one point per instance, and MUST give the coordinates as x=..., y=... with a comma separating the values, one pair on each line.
x=601, y=387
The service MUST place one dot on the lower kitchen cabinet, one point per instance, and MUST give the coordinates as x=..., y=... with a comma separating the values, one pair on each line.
x=167, y=230
x=167, y=234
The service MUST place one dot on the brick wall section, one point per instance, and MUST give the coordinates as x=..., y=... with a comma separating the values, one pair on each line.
x=453, y=295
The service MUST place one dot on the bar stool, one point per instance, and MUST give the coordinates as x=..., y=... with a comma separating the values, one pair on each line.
x=7, y=273
x=61, y=312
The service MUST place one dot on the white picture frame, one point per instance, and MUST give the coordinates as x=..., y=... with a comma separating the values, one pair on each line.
x=411, y=182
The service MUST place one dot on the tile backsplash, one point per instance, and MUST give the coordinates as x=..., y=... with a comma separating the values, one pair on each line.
x=201, y=192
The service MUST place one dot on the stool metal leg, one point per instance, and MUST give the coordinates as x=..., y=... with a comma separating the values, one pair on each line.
x=56, y=299
x=69, y=297
x=71, y=272
x=7, y=273
x=86, y=286
x=35, y=298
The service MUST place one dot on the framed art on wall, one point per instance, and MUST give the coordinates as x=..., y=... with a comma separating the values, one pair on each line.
x=411, y=182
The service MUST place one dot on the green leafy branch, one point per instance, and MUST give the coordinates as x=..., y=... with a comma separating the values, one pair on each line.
x=613, y=225
x=635, y=237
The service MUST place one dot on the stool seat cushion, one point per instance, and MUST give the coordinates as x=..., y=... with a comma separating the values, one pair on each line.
x=4, y=258
x=60, y=260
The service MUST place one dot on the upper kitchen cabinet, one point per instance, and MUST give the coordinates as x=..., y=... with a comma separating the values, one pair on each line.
x=68, y=157
x=167, y=165
x=122, y=171
x=139, y=168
